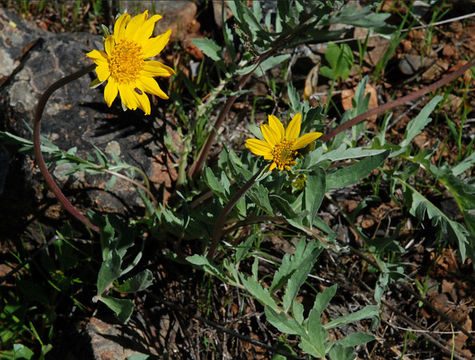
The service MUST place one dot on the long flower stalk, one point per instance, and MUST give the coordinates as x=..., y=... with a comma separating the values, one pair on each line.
x=37, y=145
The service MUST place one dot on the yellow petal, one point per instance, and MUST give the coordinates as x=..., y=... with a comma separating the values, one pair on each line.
x=147, y=29
x=154, y=68
x=127, y=96
x=98, y=56
x=277, y=126
x=269, y=135
x=259, y=147
x=293, y=129
x=306, y=139
x=150, y=86
x=109, y=44
x=156, y=44
x=272, y=166
x=143, y=101
x=110, y=91
x=135, y=24
x=120, y=24
x=103, y=71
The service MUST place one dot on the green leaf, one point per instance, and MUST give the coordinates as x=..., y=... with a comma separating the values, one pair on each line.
x=294, y=97
x=416, y=125
x=258, y=292
x=369, y=311
x=123, y=308
x=314, y=342
x=340, y=59
x=462, y=191
x=297, y=312
x=110, y=271
x=139, y=282
x=314, y=192
x=464, y=165
x=421, y=206
x=299, y=276
x=138, y=357
x=266, y=65
x=351, y=174
x=243, y=248
x=214, y=184
x=270, y=63
x=20, y=351
x=111, y=183
x=339, y=352
x=283, y=323
x=209, y=47
x=292, y=262
x=342, y=153
x=323, y=299
x=362, y=17
x=204, y=263
x=260, y=196
x=355, y=339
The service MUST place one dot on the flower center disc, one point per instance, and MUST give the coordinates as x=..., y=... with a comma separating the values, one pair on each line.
x=284, y=155
x=126, y=61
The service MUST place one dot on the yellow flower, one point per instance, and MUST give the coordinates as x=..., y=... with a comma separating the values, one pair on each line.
x=123, y=63
x=281, y=144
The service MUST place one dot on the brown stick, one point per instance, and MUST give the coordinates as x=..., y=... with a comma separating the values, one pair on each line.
x=400, y=101
x=37, y=145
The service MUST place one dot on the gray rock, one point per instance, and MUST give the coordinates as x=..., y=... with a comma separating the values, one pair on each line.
x=108, y=341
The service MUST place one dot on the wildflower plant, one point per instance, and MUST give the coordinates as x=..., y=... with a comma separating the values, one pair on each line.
x=282, y=194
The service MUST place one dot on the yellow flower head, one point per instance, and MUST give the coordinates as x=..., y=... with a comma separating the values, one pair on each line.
x=281, y=144
x=123, y=63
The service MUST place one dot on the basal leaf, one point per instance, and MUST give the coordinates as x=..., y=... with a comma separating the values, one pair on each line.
x=123, y=308
x=110, y=271
x=139, y=282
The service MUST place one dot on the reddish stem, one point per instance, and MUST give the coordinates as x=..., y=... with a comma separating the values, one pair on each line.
x=37, y=145
x=400, y=101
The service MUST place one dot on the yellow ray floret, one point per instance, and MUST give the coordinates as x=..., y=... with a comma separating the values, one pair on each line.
x=280, y=145
x=124, y=64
